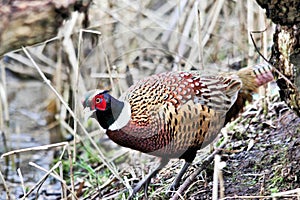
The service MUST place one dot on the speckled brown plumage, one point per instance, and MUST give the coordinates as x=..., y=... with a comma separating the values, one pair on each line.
x=174, y=114
x=174, y=111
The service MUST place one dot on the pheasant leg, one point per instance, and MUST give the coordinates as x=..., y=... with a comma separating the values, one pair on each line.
x=177, y=179
x=145, y=182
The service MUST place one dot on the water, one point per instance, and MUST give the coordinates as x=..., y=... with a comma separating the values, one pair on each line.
x=27, y=128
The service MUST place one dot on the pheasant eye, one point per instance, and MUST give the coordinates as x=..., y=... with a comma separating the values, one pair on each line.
x=98, y=100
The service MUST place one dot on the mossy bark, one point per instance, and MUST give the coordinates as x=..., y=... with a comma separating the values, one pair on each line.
x=286, y=48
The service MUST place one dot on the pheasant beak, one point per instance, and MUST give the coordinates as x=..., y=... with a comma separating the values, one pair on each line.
x=86, y=103
x=88, y=113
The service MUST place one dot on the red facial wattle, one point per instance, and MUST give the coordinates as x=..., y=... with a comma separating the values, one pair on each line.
x=99, y=102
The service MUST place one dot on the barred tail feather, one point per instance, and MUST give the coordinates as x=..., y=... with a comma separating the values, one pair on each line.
x=255, y=76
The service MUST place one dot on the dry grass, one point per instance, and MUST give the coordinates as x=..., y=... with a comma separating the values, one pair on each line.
x=147, y=36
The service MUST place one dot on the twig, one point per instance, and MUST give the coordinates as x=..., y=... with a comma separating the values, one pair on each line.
x=285, y=193
x=105, y=75
x=187, y=30
x=173, y=21
x=4, y=113
x=258, y=197
x=4, y=140
x=217, y=10
x=221, y=178
x=250, y=25
x=215, y=178
x=264, y=42
x=107, y=63
x=5, y=185
x=204, y=164
x=61, y=173
x=38, y=148
x=4, y=92
x=199, y=30
x=255, y=46
x=71, y=170
x=70, y=50
x=21, y=179
x=218, y=177
x=276, y=70
x=263, y=184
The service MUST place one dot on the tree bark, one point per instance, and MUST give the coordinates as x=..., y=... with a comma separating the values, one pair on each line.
x=286, y=48
x=27, y=22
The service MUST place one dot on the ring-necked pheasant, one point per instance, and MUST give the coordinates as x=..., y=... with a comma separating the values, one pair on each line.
x=174, y=114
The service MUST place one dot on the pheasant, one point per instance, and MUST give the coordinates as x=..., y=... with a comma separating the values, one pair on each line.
x=174, y=114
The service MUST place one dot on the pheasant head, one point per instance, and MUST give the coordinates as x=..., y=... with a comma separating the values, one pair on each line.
x=112, y=114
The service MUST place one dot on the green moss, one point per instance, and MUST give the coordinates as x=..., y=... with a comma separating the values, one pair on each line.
x=220, y=141
x=274, y=190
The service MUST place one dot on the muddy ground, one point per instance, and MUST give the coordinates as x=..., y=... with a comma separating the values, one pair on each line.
x=262, y=156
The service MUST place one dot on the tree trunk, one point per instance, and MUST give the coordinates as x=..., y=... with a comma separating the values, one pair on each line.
x=286, y=48
x=27, y=22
